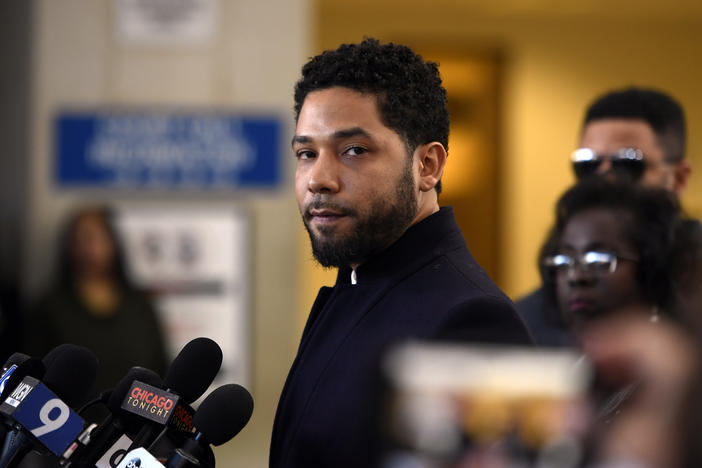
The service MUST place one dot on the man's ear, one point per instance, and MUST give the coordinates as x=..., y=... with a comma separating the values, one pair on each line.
x=432, y=159
x=681, y=174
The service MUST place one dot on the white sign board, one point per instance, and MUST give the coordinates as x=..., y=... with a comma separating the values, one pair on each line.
x=166, y=22
x=197, y=263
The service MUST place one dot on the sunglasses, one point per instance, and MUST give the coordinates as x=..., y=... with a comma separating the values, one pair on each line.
x=627, y=163
x=591, y=262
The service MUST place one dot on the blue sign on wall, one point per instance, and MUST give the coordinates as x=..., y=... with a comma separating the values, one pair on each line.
x=167, y=150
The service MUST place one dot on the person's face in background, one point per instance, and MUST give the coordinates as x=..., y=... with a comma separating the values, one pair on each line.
x=93, y=247
x=585, y=293
x=607, y=136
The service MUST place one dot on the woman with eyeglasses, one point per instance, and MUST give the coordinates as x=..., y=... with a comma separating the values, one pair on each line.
x=615, y=246
x=621, y=259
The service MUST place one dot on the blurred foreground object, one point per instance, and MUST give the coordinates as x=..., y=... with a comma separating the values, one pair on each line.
x=456, y=406
x=655, y=426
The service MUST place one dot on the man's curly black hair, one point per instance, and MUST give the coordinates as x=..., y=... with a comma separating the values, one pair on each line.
x=411, y=99
x=668, y=245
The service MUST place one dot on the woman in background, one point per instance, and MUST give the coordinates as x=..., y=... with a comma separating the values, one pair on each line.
x=618, y=246
x=94, y=304
x=622, y=266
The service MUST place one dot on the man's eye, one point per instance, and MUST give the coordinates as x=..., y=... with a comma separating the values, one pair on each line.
x=305, y=154
x=355, y=151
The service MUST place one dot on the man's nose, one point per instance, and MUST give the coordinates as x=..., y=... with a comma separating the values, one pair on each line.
x=605, y=166
x=324, y=174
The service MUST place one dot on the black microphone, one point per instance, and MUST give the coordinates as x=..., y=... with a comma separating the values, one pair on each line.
x=15, y=369
x=221, y=416
x=188, y=377
x=70, y=372
x=194, y=368
x=105, y=444
x=15, y=358
x=41, y=410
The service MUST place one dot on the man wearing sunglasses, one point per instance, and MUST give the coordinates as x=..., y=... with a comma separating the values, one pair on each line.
x=632, y=134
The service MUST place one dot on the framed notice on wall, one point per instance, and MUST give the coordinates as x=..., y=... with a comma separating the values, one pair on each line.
x=166, y=22
x=196, y=263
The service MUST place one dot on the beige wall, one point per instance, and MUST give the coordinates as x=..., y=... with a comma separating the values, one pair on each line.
x=556, y=58
x=251, y=65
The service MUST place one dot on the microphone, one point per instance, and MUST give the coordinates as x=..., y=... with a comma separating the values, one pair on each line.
x=15, y=358
x=104, y=445
x=16, y=368
x=13, y=361
x=70, y=371
x=139, y=458
x=221, y=416
x=194, y=368
x=188, y=377
x=43, y=418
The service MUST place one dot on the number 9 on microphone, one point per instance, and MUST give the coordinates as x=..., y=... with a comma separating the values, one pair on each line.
x=49, y=419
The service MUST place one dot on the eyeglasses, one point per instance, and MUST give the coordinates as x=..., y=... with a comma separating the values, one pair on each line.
x=627, y=162
x=592, y=262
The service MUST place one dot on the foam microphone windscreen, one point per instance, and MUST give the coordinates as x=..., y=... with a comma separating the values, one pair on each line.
x=15, y=359
x=114, y=403
x=223, y=413
x=70, y=372
x=194, y=369
x=25, y=366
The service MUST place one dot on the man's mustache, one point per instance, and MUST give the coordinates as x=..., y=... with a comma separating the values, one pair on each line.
x=321, y=204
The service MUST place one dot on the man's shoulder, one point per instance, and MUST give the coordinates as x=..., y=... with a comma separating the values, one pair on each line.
x=453, y=291
x=486, y=318
x=458, y=269
x=532, y=304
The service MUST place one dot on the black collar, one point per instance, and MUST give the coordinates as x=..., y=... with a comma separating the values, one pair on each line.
x=429, y=238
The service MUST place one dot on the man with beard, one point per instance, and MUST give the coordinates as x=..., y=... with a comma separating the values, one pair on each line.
x=370, y=142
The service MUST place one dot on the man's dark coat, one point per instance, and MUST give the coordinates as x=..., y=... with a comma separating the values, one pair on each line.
x=424, y=286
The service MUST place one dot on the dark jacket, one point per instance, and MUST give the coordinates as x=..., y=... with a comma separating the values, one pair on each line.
x=130, y=336
x=426, y=285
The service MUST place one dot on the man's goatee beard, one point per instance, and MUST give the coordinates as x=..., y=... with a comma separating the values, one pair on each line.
x=374, y=231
